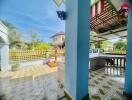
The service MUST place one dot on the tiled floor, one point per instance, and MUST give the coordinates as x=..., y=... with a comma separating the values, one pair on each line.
x=32, y=83
x=101, y=87
x=40, y=83
x=33, y=70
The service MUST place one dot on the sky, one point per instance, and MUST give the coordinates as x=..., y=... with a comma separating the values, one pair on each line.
x=33, y=15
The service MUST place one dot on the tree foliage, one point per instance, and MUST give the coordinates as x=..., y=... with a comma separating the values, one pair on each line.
x=121, y=44
x=42, y=46
x=14, y=35
x=34, y=36
x=38, y=45
x=92, y=33
x=99, y=44
x=104, y=44
x=92, y=45
x=16, y=42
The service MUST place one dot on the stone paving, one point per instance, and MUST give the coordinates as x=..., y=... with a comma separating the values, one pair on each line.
x=31, y=83
x=39, y=82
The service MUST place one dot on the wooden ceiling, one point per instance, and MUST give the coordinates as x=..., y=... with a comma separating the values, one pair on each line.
x=109, y=19
x=120, y=33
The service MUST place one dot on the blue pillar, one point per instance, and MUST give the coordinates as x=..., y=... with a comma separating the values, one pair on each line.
x=77, y=48
x=128, y=72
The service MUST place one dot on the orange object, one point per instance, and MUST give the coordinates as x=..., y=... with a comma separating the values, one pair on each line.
x=52, y=64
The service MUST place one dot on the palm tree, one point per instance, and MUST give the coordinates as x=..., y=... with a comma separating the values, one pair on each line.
x=33, y=39
x=8, y=24
x=14, y=36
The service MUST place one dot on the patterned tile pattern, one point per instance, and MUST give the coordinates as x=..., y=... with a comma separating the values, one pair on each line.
x=101, y=87
x=40, y=83
x=32, y=83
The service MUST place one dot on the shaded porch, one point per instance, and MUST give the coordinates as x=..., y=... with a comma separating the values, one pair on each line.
x=101, y=86
x=78, y=26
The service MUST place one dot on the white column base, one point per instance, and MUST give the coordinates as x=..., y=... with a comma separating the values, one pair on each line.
x=5, y=58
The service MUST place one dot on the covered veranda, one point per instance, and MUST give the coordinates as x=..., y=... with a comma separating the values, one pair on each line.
x=78, y=25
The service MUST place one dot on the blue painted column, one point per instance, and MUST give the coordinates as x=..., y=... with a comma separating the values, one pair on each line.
x=128, y=72
x=77, y=48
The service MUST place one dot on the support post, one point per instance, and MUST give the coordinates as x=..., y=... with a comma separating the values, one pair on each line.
x=77, y=48
x=128, y=70
x=5, y=58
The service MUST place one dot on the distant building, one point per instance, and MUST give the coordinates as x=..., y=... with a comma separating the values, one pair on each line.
x=58, y=39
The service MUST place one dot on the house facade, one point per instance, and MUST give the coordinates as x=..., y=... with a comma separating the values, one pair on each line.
x=58, y=39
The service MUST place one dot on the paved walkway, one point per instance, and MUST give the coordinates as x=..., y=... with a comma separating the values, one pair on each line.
x=31, y=83
x=39, y=82
x=33, y=70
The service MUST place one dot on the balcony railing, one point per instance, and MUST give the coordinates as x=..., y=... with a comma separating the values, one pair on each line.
x=115, y=66
x=27, y=55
